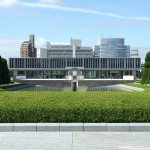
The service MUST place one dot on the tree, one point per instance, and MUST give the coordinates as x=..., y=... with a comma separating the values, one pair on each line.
x=4, y=71
x=146, y=71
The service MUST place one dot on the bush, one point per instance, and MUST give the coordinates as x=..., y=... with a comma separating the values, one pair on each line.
x=144, y=76
x=74, y=107
x=4, y=72
x=146, y=71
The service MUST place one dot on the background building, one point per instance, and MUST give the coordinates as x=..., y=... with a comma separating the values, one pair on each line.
x=76, y=42
x=97, y=51
x=28, y=48
x=74, y=50
x=114, y=48
x=134, y=53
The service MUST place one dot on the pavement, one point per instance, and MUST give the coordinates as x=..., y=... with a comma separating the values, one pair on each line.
x=74, y=140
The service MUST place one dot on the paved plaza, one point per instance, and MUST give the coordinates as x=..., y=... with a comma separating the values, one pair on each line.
x=75, y=141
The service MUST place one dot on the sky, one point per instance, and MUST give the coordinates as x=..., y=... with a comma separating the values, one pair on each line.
x=57, y=21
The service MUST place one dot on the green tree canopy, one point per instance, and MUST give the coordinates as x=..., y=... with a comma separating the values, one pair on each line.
x=147, y=60
x=146, y=71
x=4, y=71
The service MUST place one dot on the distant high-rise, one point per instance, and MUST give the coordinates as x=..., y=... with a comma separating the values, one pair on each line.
x=97, y=51
x=28, y=48
x=114, y=48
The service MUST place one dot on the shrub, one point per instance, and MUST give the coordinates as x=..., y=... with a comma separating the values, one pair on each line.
x=146, y=71
x=75, y=107
x=4, y=72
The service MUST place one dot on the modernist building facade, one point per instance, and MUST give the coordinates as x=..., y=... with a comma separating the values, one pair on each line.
x=97, y=49
x=112, y=61
x=102, y=68
x=134, y=53
x=28, y=48
x=112, y=48
x=74, y=50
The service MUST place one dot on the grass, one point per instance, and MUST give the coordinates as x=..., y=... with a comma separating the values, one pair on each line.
x=146, y=87
x=75, y=107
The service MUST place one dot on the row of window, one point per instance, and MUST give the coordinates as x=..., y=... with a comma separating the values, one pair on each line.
x=75, y=62
x=61, y=46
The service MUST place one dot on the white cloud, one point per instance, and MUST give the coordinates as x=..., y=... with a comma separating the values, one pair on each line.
x=53, y=2
x=40, y=42
x=10, y=48
x=9, y=3
x=53, y=6
x=142, y=18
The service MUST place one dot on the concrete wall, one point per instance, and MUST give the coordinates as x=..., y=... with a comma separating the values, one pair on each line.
x=52, y=83
x=82, y=83
x=97, y=83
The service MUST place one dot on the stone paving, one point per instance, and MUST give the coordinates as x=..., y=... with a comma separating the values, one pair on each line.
x=74, y=127
x=75, y=141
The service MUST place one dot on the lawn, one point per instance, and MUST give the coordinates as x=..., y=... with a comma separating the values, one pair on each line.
x=146, y=87
x=75, y=107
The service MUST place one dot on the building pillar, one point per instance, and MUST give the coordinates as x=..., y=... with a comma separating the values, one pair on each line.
x=15, y=73
x=107, y=74
x=134, y=74
x=124, y=72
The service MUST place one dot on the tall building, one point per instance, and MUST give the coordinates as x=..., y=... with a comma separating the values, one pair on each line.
x=97, y=51
x=114, y=48
x=74, y=50
x=28, y=48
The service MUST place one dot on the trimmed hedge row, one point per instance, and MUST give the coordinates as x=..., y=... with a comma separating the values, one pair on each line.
x=94, y=107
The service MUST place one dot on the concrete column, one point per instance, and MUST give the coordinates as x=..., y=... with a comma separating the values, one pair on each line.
x=134, y=74
x=107, y=74
x=15, y=73
x=124, y=72
x=74, y=51
x=25, y=73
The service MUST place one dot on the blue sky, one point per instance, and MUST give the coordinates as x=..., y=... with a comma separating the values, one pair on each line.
x=60, y=20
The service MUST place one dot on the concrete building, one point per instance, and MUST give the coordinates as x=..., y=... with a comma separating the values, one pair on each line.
x=114, y=48
x=134, y=53
x=90, y=68
x=28, y=48
x=74, y=50
x=97, y=51
x=74, y=62
x=76, y=42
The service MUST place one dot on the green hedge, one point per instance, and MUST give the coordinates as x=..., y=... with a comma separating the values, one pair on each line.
x=74, y=107
x=146, y=71
x=4, y=71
